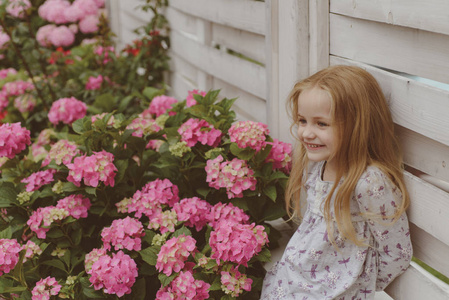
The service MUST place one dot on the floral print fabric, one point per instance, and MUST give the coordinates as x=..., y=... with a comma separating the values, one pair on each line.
x=312, y=268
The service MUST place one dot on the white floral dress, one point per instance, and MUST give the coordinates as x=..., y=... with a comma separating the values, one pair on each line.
x=311, y=268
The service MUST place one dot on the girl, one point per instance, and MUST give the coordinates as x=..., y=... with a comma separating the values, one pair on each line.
x=354, y=237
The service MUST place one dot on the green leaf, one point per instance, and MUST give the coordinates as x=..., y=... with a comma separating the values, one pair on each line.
x=89, y=290
x=151, y=92
x=106, y=102
x=56, y=263
x=55, y=233
x=14, y=289
x=139, y=290
x=203, y=192
x=264, y=255
x=121, y=165
x=149, y=255
x=91, y=190
x=216, y=285
x=245, y=154
x=8, y=194
x=183, y=230
x=6, y=233
x=165, y=280
x=124, y=104
x=270, y=191
x=227, y=297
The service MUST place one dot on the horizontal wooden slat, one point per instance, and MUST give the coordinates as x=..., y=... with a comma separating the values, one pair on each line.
x=133, y=9
x=430, y=15
x=242, y=14
x=407, y=50
x=180, y=21
x=238, y=72
x=247, y=43
x=414, y=285
x=180, y=85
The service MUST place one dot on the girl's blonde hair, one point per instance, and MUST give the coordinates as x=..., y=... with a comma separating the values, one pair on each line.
x=365, y=136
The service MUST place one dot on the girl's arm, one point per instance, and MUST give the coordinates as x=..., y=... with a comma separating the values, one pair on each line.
x=378, y=198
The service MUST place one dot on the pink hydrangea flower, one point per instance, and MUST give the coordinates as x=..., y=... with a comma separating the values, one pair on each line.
x=237, y=243
x=227, y=212
x=13, y=139
x=111, y=120
x=38, y=179
x=44, y=137
x=92, y=257
x=31, y=249
x=76, y=205
x=233, y=282
x=143, y=126
x=249, y=134
x=184, y=286
x=97, y=167
x=73, y=13
x=160, y=104
x=45, y=288
x=62, y=152
x=174, y=253
x=195, y=130
x=25, y=103
x=164, y=221
x=6, y=72
x=44, y=33
x=194, y=211
x=4, y=39
x=235, y=176
x=280, y=155
x=94, y=83
x=67, y=110
x=9, y=255
x=89, y=24
x=89, y=7
x=17, y=8
x=104, y=53
x=123, y=234
x=190, y=101
x=116, y=274
x=62, y=36
x=17, y=88
x=54, y=11
x=41, y=219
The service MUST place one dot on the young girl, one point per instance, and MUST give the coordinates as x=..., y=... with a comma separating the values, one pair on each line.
x=354, y=237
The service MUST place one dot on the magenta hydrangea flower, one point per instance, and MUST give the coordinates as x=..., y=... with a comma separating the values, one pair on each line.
x=6, y=72
x=123, y=234
x=76, y=205
x=237, y=243
x=13, y=139
x=249, y=134
x=4, y=39
x=17, y=88
x=190, y=101
x=195, y=130
x=116, y=274
x=226, y=212
x=17, y=8
x=67, y=110
x=235, y=176
x=94, y=83
x=41, y=219
x=143, y=126
x=9, y=255
x=233, y=282
x=62, y=152
x=38, y=179
x=194, y=211
x=174, y=253
x=93, y=169
x=164, y=221
x=45, y=288
x=184, y=286
x=160, y=104
x=92, y=257
x=280, y=155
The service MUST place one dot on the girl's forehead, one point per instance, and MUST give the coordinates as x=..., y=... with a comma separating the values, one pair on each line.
x=315, y=100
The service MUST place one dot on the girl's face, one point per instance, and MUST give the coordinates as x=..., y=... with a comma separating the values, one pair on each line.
x=315, y=127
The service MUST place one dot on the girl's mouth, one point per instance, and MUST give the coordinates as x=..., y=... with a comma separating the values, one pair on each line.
x=313, y=146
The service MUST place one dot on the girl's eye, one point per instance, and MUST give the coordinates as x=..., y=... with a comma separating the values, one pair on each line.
x=302, y=121
x=322, y=124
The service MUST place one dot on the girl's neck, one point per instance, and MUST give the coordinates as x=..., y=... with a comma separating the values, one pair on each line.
x=329, y=172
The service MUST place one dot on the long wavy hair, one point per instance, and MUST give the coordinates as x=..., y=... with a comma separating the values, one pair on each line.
x=365, y=136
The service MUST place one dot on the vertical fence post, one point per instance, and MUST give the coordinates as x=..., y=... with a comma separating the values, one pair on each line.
x=204, y=34
x=319, y=35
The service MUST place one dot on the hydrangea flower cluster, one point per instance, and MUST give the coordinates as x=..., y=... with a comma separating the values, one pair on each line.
x=45, y=288
x=280, y=155
x=31, y=249
x=184, y=286
x=38, y=179
x=94, y=83
x=195, y=130
x=111, y=120
x=9, y=255
x=17, y=88
x=237, y=243
x=17, y=8
x=249, y=134
x=13, y=139
x=226, y=212
x=4, y=39
x=6, y=72
x=97, y=167
x=164, y=221
x=37, y=148
x=62, y=152
x=235, y=176
x=76, y=205
x=41, y=219
x=143, y=126
x=194, y=211
x=67, y=110
x=116, y=274
x=25, y=103
x=92, y=257
x=233, y=282
x=174, y=253
x=160, y=104
x=190, y=101
x=123, y=234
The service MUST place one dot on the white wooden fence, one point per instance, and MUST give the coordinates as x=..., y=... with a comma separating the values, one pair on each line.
x=257, y=50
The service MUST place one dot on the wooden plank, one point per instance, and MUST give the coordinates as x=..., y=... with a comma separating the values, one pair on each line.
x=242, y=14
x=430, y=15
x=180, y=85
x=184, y=68
x=133, y=10
x=407, y=50
x=247, y=43
x=241, y=73
x=319, y=35
x=415, y=285
x=180, y=21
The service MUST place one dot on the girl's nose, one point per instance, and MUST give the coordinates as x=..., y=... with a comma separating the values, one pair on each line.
x=308, y=132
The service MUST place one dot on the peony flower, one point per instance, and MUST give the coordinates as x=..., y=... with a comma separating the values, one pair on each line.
x=25, y=103
x=94, y=83
x=62, y=36
x=89, y=24
x=45, y=288
x=76, y=205
x=174, y=253
x=62, y=152
x=160, y=104
x=13, y=139
x=233, y=282
x=249, y=134
x=17, y=8
x=123, y=234
x=38, y=179
x=226, y=212
x=190, y=101
x=41, y=219
x=193, y=211
x=280, y=155
x=195, y=130
x=9, y=255
x=67, y=110
x=184, y=286
x=44, y=33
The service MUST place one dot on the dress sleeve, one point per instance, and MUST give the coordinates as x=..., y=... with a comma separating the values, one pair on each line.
x=378, y=198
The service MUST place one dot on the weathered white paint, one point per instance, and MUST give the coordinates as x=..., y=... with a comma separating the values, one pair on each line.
x=319, y=35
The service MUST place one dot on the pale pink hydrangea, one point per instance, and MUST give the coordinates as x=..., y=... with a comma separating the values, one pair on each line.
x=89, y=24
x=94, y=83
x=76, y=205
x=31, y=250
x=237, y=243
x=93, y=169
x=17, y=8
x=73, y=13
x=143, y=126
x=111, y=120
x=44, y=33
x=249, y=134
x=164, y=221
x=116, y=274
x=99, y=3
x=67, y=110
x=280, y=155
x=227, y=212
x=155, y=144
x=54, y=11
x=44, y=137
x=38, y=179
x=13, y=139
x=184, y=286
x=45, y=288
x=17, y=88
x=190, y=101
x=233, y=282
x=160, y=104
x=123, y=234
x=235, y=176
x=38, y=152
x=195, y=130
x=6, y=72
x=62, y=152
x=194, y=211
x=62, y=36
x=9, y=255
x=89, y=7
x=4, y=39
x=174, y=253
x=41, y=219
x=25, y=103
x=92, y=257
